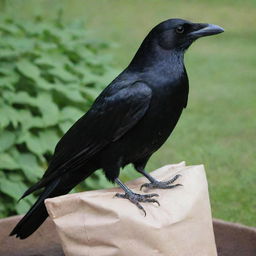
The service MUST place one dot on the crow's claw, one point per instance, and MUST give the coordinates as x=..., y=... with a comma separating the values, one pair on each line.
x=137, y=199
x=162, y=184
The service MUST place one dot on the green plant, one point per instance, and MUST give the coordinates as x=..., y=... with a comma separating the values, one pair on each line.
x=50, y=73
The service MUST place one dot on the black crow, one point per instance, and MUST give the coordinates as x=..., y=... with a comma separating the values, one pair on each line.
x=128, y=122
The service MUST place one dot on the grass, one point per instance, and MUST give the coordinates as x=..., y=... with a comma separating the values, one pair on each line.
x=218, y=127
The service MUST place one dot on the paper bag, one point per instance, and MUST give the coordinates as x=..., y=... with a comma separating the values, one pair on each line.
x=96, y=223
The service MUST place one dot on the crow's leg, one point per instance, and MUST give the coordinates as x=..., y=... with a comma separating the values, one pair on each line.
x=158, y=184
x=135, y=198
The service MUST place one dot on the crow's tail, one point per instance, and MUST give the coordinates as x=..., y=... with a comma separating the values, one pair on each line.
x=37, y=214
x=60, y=185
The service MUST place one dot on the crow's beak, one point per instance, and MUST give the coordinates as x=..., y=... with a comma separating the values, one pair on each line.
x=205, y=30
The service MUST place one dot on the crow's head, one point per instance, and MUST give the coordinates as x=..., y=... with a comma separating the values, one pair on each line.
x=170, y=39
x=180, y=34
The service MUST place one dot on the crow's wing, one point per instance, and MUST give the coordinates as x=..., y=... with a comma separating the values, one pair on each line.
x=114, y=112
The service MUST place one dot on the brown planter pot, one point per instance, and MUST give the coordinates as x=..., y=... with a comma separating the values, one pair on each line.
x=231, y=239
x=44, y=242
x=234, y=239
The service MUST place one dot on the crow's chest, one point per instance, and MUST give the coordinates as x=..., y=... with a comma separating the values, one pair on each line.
x=162, y=116
x=156, y=126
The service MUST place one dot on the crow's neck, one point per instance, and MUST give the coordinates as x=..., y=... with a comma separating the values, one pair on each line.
x=150, y=58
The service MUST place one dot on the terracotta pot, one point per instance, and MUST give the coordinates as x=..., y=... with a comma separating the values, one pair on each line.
x=234, y=239
x=231, y=239
x=44, y=242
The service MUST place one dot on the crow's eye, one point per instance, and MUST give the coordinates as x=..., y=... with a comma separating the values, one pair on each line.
x=180, y=29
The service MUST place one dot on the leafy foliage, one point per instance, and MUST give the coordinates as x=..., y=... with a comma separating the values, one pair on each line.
x=50, y=73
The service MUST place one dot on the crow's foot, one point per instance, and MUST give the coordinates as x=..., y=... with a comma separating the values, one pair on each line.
x=162, y=184
x=137, y=199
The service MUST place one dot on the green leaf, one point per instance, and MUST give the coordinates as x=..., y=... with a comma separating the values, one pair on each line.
x=22, y=98
x=22, y=207
x=7, y=139
x=8, y=115
x=33, y=143
x=91, y=93
x=28, y=121
x=64, y=126
x=43, y=84
x=30, y=166
x=7, y=162
x=60, y=72
x=28, y=69
x=48, y=140
x=11, y=188
x=46, y=59
x=4, y=121
x=3, y=210
x=15, y=176
x=49, y=110
x=9, y=81
x=70, y=92
x=44, y=142
x=9, y=28
x=9, y=54
x=70, y=113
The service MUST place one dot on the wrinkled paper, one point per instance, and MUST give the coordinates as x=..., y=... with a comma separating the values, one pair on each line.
x=95, y=223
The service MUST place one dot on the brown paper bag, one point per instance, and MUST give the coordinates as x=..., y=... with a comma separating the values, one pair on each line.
x=96, y=223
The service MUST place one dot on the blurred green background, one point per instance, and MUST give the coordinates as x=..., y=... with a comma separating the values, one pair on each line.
x=218, y=126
